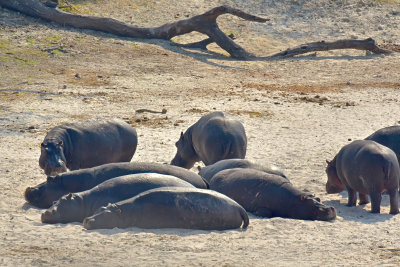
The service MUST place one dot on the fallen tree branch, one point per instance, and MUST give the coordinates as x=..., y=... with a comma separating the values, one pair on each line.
x=205, y=23
x=367, y=44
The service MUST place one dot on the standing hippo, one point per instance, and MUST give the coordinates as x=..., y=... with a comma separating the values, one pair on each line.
x=388, y=136
x=74, y=207
x=214, y=137
x=269, y=195
x=187, y=208
x=366, y=167
x=44, y=194
x=209, y=171
x=87, y=144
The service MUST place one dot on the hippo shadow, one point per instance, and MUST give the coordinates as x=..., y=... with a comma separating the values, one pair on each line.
x=164, y=231
x=361, y=213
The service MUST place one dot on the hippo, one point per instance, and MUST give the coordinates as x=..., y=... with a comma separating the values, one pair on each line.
x=213, y=137
x=388, y=136
x=44, y=194
x=269, y=195
x=175, y=207
x=366, y=167
x=86, y=144
x=209, y=171
x=74, y=207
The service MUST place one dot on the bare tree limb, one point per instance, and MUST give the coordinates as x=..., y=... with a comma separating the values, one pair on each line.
x=205, y=23
x=367, y=44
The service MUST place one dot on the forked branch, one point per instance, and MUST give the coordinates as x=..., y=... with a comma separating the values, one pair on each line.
x=205, y=23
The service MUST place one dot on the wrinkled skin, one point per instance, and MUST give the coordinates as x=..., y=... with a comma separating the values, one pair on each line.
x=209, y=171
x=44, y=194
x=79, y=145
x=74, y=207
x=186, y=208
x=213, y=137
x=269, y=195
x=368, y=168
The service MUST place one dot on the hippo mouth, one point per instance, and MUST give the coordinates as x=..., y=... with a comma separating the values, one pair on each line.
x=53, y=171
x=326, y=214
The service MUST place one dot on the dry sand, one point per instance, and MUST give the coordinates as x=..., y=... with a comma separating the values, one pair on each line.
x=297, y=113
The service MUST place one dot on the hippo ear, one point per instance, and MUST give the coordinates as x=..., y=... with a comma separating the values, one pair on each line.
x=329, y=162
x=303, y=197
x=42, y=145
x=61, y=143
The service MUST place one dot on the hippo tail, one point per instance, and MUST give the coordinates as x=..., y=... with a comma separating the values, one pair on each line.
x=245, y=218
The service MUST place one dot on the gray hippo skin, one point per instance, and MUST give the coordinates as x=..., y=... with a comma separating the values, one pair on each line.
x=368, y=168
x=269, y=195
x=187, y=208
x=87, y=144
x=388, y=136
x=44, y=194
x=214, y=137
x=209, y=171
x=74, y=207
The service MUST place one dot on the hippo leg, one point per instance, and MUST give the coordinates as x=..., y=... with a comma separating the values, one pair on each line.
x=263, y=212
x=394, y=201
x=376, y=199
x=352, y=197
x=363, y=199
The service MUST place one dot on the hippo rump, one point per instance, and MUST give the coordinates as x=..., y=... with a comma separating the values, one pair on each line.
x=209, y=171
x=187, y=208
x=269, y=195
x=214, y=137
x=366, y=167
x=388, y=136
x=74, y=207
x=87, y=144
x=44, y=194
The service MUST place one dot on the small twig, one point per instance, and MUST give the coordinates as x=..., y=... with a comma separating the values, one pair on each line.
x=163, y=111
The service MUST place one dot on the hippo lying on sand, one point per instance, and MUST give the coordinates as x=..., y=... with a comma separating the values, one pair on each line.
x=187, y=208
x=74, y=207
x=87, y=144
x=368, y=168
x=44, y=194
x=209, y=171
x=269, y=195
x=214, y=137
x=388, y=136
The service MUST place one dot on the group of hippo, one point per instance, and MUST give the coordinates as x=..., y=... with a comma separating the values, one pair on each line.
x=103, y=189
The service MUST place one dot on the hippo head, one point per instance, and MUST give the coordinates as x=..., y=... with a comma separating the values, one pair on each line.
x=333, y=185
x=106, y=217
x=52, y=159
x=310, y=208
x=185, y=156
x=67, y=209
x=44, y=194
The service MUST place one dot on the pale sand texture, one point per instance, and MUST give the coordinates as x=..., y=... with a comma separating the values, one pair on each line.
x=297, y=113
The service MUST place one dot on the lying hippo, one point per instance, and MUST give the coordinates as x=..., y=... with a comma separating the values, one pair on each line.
x=74, y=207
x=209, y=171
x=87, y=144
x=44, y=194
x=187, y=208
x=368, y=168
x=269, y=195
x=214, y=137
x=388, y=136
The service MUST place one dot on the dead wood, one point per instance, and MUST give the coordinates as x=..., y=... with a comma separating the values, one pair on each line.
x=205, y=23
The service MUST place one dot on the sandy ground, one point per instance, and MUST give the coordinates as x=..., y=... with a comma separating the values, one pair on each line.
x=297, y=113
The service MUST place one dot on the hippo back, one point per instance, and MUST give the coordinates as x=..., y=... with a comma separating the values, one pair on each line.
x=209, y=171
x=388, y=136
